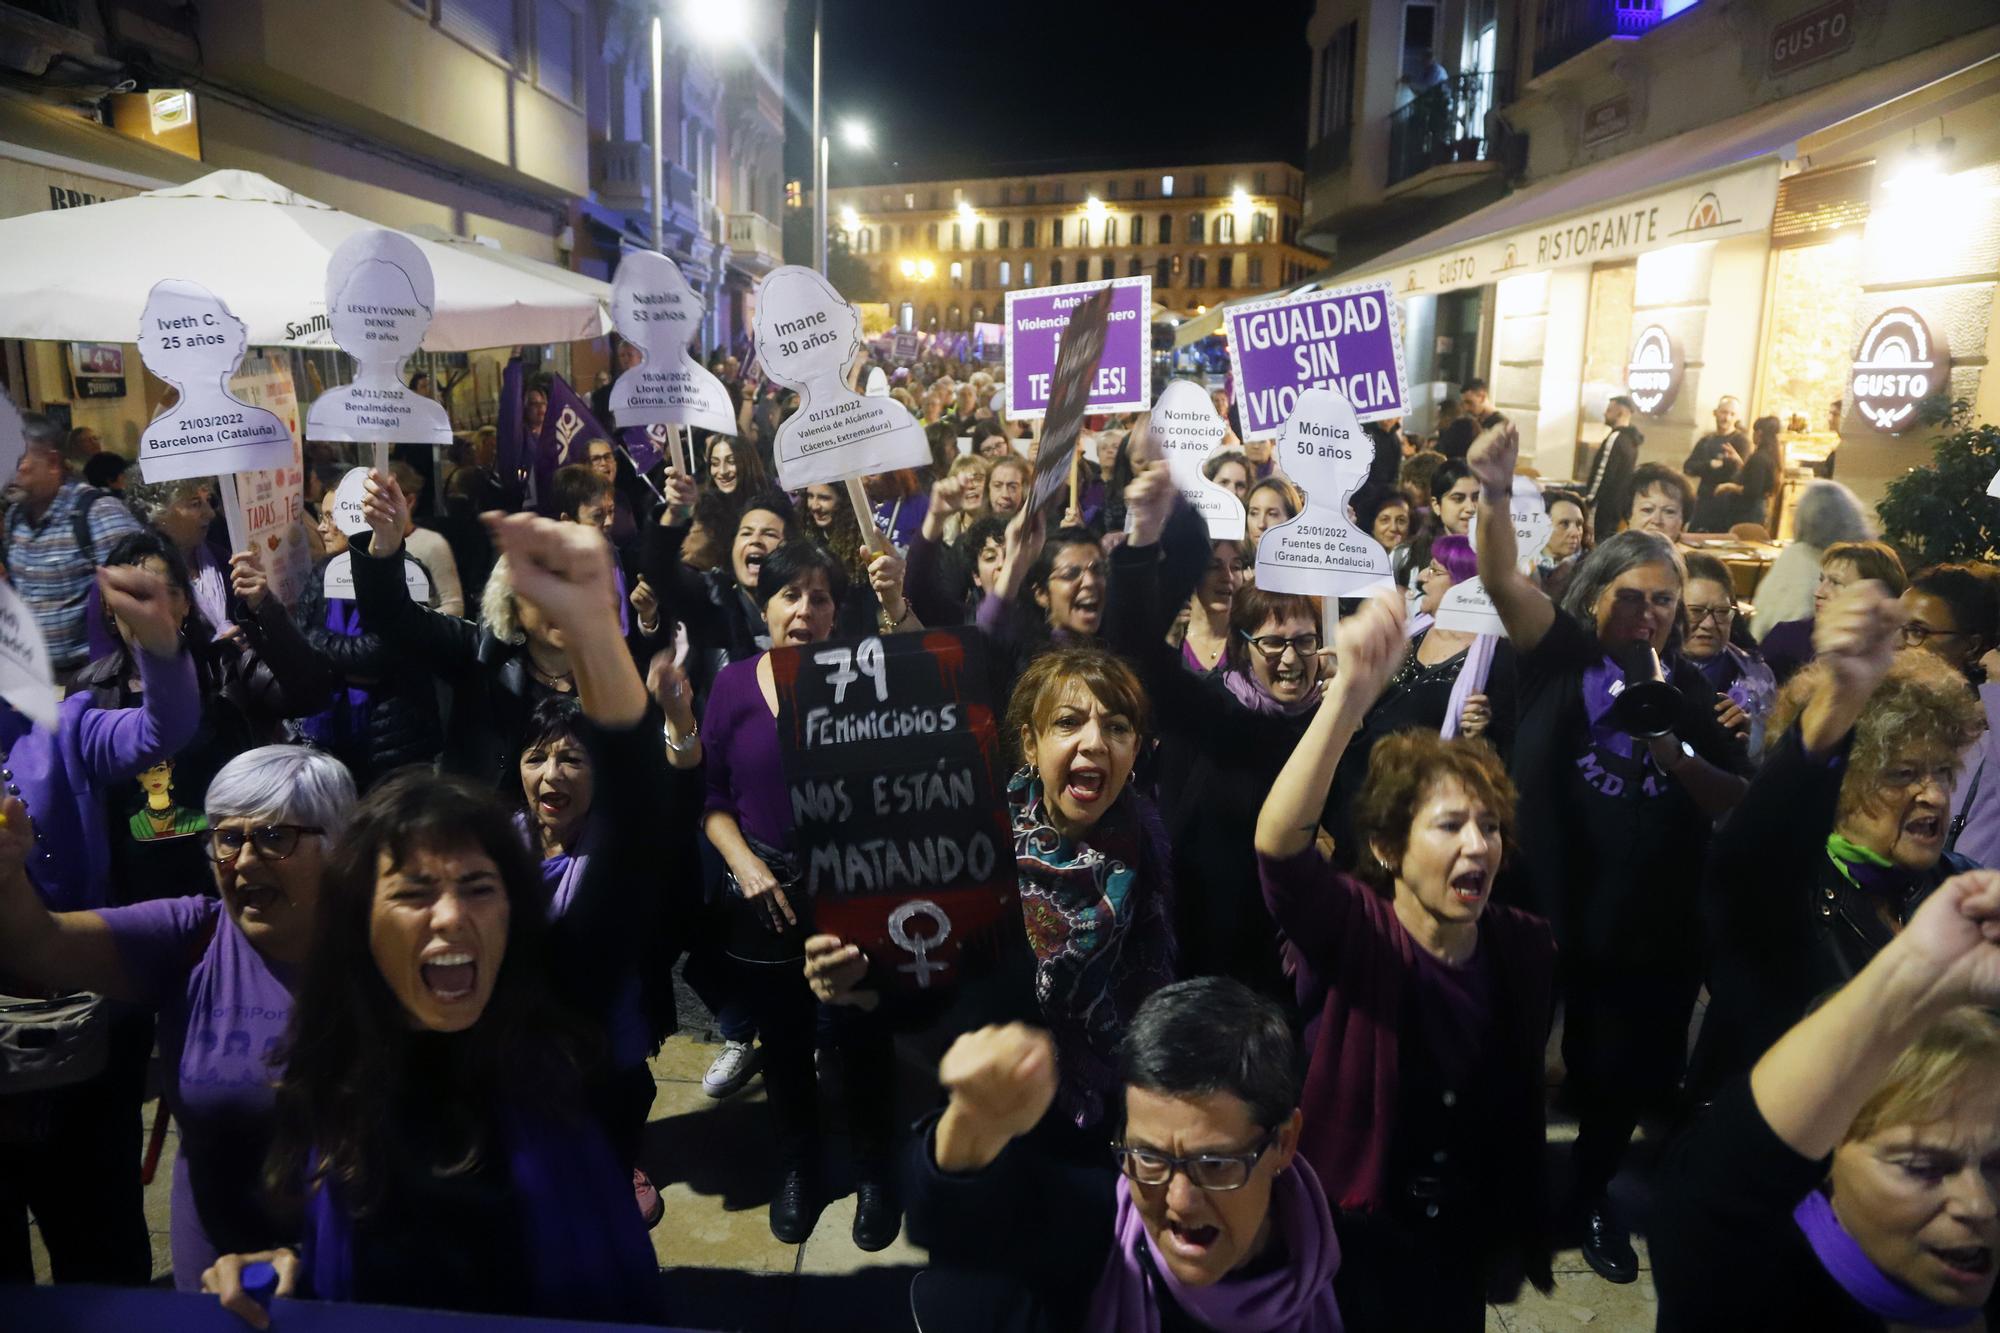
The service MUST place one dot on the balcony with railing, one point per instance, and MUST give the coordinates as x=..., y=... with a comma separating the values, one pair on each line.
x=755, y=242
x=1443, y=124
x=1568, y=28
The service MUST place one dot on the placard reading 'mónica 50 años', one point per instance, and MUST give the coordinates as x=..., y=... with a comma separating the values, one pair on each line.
x=899, y=813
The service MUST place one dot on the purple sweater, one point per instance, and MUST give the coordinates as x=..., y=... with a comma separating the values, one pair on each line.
x=740, y=756
x=60, y=775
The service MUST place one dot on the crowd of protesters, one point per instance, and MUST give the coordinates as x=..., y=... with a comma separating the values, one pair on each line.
x=389, y=890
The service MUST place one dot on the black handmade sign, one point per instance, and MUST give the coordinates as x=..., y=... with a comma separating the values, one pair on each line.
x=899, y=812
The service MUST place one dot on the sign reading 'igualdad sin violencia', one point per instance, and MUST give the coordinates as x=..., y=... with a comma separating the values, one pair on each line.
x=1349, y=339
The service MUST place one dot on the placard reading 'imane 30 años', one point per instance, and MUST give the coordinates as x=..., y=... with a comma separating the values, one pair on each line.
x=1350, y=339
x=892, y=761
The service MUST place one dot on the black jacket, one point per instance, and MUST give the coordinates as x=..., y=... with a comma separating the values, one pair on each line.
x=1785, y=925
x=1608, y=488
x=493, y=692
x=399, y=723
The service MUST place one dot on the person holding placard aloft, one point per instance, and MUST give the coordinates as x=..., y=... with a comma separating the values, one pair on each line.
x=1623, y=770
x=498, y=669
x=1423, y=1103
x=438, y=1118
x=749, y=822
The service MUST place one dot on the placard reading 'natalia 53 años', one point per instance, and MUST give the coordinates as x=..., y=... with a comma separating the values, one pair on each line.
x=899, y=812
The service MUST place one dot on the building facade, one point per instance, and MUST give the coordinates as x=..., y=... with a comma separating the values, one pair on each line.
x=944, y=254
x=1720, y=198
x=521, y=124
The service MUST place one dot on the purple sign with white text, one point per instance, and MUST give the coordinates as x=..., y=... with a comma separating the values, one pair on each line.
x=1035, y=323
x=1348, y=338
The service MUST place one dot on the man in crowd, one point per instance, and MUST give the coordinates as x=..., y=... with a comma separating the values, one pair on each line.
x=57, y=532
x=1609, y=491
x=1716, y=460
x=1477, y=415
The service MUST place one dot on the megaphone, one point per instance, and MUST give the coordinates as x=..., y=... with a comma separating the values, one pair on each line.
x=1644, y=704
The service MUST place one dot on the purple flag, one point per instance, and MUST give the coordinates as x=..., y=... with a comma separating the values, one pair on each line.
x=567, y=431
x=647, y=445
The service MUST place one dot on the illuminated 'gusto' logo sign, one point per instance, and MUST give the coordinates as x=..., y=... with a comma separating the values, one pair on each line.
x=1653, y=375
x=1900, y=363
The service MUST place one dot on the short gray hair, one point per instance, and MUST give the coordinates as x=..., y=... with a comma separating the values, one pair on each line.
x=290, y=784
x=496, y=605
x=151, y=499
x=1828, y=512
x=1613, y=558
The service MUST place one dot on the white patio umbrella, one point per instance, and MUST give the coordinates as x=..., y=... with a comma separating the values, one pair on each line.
x=82, y=274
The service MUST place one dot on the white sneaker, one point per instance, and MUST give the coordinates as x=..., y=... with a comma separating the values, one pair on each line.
x=733, y=1068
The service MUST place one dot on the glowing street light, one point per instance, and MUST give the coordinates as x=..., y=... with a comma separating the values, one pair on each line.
x=1239, y=200
x=716, y=22
x=856, y=134
x=965, y=210
x=1093, y=207
x=849, y=219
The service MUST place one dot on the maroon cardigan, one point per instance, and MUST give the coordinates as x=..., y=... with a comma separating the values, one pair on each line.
x=1351, y=959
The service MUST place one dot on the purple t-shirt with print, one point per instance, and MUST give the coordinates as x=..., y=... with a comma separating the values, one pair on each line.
x=222, y=1011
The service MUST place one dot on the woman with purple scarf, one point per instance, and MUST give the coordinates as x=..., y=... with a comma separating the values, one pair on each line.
x=1222, y=738
x=446, y=1045
x=1212, y=1222
x=1614, y=824
x=1848, y=1182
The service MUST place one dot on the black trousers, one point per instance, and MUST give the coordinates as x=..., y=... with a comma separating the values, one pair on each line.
x=71, y=1157
x=787, y=1017
x=1398, y=1275
x=1625, y=1044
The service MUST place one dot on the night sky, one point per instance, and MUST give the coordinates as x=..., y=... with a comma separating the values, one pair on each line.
x=954, y=89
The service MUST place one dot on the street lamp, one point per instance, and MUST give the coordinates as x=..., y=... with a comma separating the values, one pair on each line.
x=856, y=134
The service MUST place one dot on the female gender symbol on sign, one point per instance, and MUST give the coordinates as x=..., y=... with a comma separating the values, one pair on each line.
x=919, y=945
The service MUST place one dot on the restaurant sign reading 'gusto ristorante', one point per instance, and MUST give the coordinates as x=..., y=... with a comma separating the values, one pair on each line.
x=1899, y=364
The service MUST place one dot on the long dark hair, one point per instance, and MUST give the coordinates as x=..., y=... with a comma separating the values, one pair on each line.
x=350, y=1051
x=135, y=548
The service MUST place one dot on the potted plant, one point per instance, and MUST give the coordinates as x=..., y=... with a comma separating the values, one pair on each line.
x=1942, y=512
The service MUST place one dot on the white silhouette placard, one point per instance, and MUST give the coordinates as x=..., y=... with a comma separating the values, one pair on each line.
x=339, y=583
x=347, y=498
x=379, y=299
x=656, y=311
x=1187, y=431
x=1466, y=606
x=1993, y=486
x=878, y=384
x=806, y=339
x=1321, y=553
x=189, y=339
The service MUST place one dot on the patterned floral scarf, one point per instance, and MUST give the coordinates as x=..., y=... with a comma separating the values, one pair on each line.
x=1098, y=916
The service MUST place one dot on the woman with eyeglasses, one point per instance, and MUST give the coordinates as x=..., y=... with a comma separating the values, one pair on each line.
x=1213, y=1220
x=1744, y=687
x=218, y=971
x=436, y=1125
x=1788, y=645
x=1841, y=836
x=1431, y=1006
x=1954, y=614
x=1438, y=687
x=1615, y=815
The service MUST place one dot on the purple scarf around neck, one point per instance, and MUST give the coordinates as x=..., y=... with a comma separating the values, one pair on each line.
x=1471, y=680
x=1297, y=1298
x=1247, y=690
x=1871, y=1288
